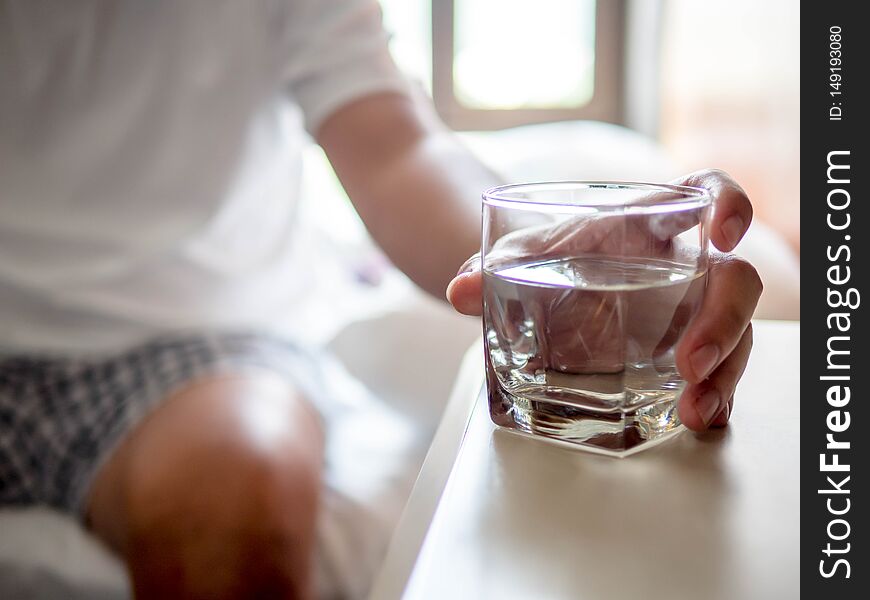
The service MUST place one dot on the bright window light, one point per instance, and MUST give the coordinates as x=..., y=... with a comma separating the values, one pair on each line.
x=512, y=54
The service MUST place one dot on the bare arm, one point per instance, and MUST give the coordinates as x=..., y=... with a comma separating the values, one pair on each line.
x=415, y=187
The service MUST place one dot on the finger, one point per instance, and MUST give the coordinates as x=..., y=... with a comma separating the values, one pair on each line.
x=733, y=289
x=732, y=210
x=683, y=314
x=724, y=415
x=465, y=291
x=709, y=403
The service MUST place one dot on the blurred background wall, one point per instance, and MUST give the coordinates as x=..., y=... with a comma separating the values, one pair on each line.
x=730, y=97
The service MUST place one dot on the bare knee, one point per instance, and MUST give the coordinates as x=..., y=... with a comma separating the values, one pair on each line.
x=219, y=492
x=238, y=528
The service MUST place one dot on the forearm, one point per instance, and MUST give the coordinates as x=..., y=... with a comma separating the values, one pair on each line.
x=430, y=200
x=414, y=185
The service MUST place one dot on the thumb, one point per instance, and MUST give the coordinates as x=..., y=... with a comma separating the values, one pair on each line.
x=465, y=291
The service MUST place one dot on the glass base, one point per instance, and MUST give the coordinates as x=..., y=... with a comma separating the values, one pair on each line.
x=616, y=433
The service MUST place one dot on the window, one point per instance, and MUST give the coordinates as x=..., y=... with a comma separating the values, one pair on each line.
x=500, y=63
x=515, y=54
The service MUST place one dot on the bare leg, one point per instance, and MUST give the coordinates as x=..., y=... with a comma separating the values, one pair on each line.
x=215, y=494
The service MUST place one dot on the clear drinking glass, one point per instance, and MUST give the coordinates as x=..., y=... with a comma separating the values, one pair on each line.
x=587, y=288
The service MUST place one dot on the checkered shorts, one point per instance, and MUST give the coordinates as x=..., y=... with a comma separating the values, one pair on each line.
x=60, y=418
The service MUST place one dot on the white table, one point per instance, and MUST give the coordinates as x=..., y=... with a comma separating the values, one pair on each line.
x=716, y=515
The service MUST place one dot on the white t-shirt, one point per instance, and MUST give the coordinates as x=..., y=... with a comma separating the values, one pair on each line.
x=150, y=155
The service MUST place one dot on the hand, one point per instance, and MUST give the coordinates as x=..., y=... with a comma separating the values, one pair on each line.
x=714, y=349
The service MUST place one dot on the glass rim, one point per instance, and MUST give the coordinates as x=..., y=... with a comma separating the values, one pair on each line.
x=688, y=197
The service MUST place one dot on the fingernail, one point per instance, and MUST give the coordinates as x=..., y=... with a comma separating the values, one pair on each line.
x=725, y=412
x=708, y=406
x=732, y=229
x=721, y=418
x=472, y=264
x=703, y=360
